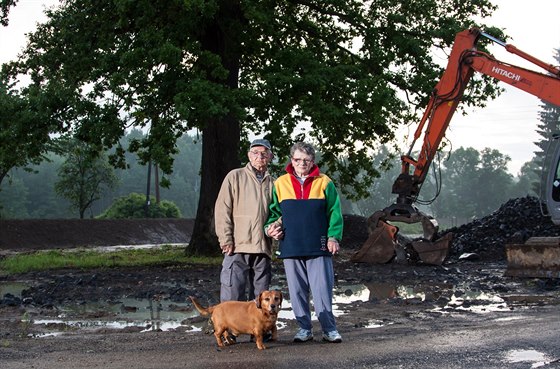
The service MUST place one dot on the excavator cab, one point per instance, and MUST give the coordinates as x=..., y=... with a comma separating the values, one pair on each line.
x=550, y=192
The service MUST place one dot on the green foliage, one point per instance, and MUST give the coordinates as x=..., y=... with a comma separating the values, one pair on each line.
x=135, y=206
x=5, y=9
x=349, y=71
x=83, y=176
x=347, y=68
x=473, y=184
x=528, y=179
x=35, y=193
x=56, y=259
x=30, y=193
x=24, y=132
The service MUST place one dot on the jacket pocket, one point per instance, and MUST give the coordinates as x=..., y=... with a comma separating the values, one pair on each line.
x=243, y=230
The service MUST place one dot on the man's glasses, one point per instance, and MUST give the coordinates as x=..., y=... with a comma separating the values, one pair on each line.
x=262, y=154
x=302, y=161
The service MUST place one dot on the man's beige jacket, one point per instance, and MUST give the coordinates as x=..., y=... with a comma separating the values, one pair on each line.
x=242, y=209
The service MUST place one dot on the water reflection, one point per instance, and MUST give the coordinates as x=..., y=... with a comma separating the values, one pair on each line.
x=536, y=358
x=161, y=314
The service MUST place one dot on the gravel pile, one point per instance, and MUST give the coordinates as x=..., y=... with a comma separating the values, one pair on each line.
x=514, y=222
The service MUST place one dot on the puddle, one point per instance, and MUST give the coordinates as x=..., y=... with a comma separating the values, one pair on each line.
x=446, y=297
x=165, y=315
x=536, y=358
x=14, y=289
x=474, y=302
x=146, y=325
x=131, y=247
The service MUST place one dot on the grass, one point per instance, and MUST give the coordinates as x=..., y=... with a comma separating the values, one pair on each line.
x=88, y=259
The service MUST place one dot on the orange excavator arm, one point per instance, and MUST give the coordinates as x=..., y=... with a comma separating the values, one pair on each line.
x=463, y=62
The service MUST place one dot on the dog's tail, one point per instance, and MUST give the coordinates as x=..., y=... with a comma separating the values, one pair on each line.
x=202, y=310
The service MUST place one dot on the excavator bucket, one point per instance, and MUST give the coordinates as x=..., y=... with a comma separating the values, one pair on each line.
x=538, y=257
x=383, y=244
x=379, y=248
x=433, y=253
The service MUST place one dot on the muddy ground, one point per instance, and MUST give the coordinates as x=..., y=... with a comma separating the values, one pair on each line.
x=463, y=314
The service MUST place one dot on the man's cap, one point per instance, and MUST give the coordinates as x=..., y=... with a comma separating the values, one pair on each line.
x=261, y=142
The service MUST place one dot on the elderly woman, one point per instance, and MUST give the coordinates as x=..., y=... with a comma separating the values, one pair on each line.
x=305, y=216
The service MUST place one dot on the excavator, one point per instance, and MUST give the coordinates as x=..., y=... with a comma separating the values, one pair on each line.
x=464, y=60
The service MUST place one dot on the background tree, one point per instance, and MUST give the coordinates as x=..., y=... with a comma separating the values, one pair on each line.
x=350, y=71
x=134, y=206
x=473, y=184
x=494, y=182
x=37, y=195
x=24, y=136
x=17, y=192
x=379, y=191
x=457, y=198
x=548, y=128
x=83, y=176
x=529, y=175
x=30, y=193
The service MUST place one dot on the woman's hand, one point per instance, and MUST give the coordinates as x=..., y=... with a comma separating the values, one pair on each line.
x=275, y=231
x=333, y=246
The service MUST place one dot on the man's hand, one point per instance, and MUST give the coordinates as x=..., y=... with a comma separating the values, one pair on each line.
x=227, y=249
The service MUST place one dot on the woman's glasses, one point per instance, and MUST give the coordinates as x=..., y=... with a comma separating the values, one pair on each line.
x=302, y=161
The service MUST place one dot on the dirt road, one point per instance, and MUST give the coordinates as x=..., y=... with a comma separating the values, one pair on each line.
x=464, y=314
x=415, y=340
x=412, y=317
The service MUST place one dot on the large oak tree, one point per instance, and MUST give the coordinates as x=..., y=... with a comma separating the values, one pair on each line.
x=349, y=72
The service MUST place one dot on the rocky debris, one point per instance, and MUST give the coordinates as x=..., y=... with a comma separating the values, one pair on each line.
x=514, y=222
x=58, y=287
x=482, y=239
x=355, y=231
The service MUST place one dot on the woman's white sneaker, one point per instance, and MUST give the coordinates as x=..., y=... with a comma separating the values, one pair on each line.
x=332, y=336
x=303, y=335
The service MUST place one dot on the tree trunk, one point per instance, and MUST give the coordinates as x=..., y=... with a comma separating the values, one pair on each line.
x=220, y=137
x=220, y=147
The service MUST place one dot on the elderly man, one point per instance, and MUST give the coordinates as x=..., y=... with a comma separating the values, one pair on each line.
x=240, y=213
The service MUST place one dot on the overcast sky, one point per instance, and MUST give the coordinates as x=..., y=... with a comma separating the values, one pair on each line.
x=507, y=124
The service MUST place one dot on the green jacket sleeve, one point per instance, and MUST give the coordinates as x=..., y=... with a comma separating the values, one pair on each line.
x=274, y=211
x=334, y=212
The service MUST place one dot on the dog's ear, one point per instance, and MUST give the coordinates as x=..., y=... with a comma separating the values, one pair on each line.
x=258, y=300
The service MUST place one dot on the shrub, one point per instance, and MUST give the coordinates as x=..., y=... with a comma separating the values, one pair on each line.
x=134, y=206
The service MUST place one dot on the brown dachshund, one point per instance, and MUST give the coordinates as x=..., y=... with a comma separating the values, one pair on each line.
x=256, y=317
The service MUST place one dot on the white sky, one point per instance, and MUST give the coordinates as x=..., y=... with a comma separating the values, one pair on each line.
x=507, y=124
